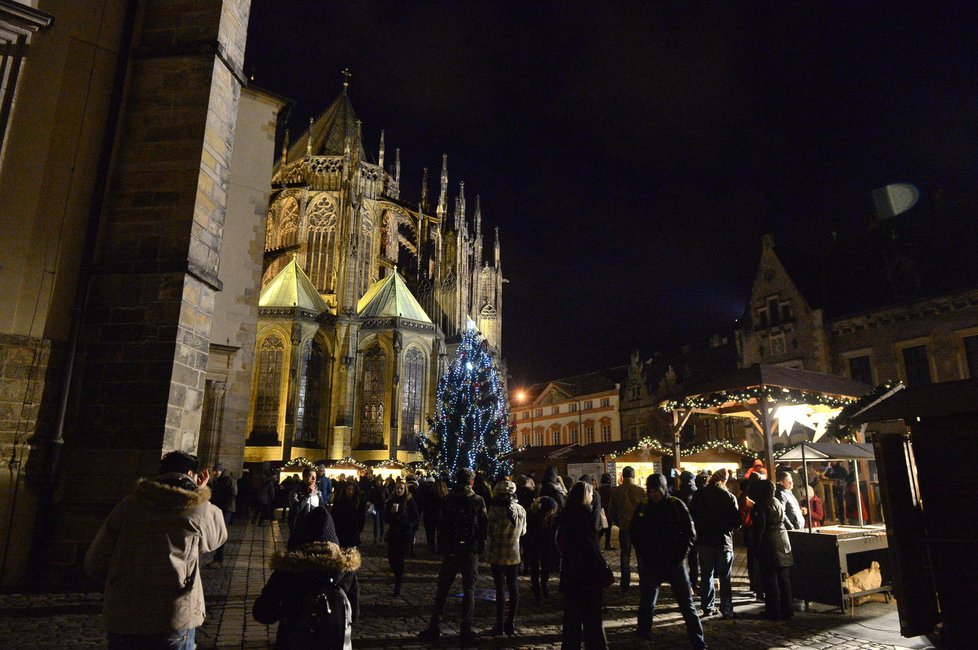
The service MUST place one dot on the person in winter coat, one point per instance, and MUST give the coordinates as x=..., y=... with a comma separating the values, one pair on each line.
x=148, y=554
x=553, y=486
x=224, y=495
x=605, y=493
x=745, y=502
x=774, y=549
x=716, y=516
x=378, y=498
x=596, y=507
x=507, y=524
x=687, y=488
x=401, y=515
x=624, y=499
x=462, y=528
x=792, y=509
x=855, y=515
x=242, y=509
x=540, y=545
x=582, y=566
x=438, y=490
x=663, y=532
x=812, y=507
x=302, y=577
x=266, y=500
x=305, y=497
x=349, y=515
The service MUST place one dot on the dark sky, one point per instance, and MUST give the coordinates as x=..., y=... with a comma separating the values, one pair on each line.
x=633, y=153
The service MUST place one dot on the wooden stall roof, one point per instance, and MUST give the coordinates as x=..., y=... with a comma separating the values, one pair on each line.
x=599, y=450
x=828, y=451
x=780, y=377
x=944, y=399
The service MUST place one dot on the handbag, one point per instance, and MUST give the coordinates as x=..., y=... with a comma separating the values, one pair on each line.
x=604, y=520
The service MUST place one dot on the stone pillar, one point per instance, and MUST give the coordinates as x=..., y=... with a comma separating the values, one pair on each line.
x=142, y=358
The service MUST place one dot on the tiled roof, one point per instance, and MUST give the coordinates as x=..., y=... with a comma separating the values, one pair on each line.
x=291, y=287
x=391, y=298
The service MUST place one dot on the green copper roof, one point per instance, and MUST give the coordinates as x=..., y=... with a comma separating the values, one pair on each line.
x=390, y=297
x=292, y=288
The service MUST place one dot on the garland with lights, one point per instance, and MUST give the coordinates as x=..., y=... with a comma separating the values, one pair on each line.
x=471, y=425
x=297, y=463
x=839, y=427
x=644, y=443
x=721, y=445
x=775, y=394
x=346, y=461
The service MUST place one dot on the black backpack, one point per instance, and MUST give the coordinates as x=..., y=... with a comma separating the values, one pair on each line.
x=461, y=524
x=322, y=620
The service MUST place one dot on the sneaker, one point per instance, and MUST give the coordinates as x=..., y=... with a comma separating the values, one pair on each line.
x=430, y=635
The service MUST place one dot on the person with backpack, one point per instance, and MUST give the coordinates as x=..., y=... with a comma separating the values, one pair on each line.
x=663, y=533
x=401, y=515
x=507, y=525
x=462, y=529
x=313, y=592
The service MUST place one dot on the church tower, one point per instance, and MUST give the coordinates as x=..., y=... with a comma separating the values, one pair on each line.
x=354, y=374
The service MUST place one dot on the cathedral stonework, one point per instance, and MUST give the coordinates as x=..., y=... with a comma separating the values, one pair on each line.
x=363, y=297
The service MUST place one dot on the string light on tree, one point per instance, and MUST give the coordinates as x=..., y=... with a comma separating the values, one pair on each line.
x=471, y=425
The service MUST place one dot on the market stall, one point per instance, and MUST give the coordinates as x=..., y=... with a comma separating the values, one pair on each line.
x=385, y=469
x=826, y=557
x=535, y=460
x=644, y=456
x=345, y=467
x=716, y=454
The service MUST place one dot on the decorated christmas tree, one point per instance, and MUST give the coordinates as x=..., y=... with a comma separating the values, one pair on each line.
x=471, y=425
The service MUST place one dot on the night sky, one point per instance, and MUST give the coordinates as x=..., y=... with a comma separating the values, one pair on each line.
x=633, y=154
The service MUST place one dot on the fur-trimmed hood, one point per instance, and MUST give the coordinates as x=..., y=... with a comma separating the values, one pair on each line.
x=163, y=494
x=317, y=557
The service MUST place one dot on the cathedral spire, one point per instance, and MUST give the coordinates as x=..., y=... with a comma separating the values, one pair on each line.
x=346, y=78
x=478, y=217
x=309, y=139
x=443, y=194
x=394, y=190
x=424, y=190
x=496, y=248
x=460, y=207
x=380, y=156
x=285, y=148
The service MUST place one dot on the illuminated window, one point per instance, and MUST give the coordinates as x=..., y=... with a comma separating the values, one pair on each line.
x=526, y=415
x=572, y=407
x=573, y=435
x=588, y=433
x=605, y=432
x=412, y=392
x=526, y=440
x=312, y=388
x=321, y=245
x=605, y=401
x=372, y=397
x=540, y=439
x=588, y=405
x=555, y=436
x=270, y=362
x=554, y=410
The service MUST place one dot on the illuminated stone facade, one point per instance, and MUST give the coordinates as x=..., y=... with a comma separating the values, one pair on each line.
x=574, y=410
x=364, y=295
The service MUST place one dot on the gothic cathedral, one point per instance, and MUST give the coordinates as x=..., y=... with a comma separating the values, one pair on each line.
x=363, y=297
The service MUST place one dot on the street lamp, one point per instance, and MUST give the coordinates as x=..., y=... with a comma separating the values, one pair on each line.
x=522, y=397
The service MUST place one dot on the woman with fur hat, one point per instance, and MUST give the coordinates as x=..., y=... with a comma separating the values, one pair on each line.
x=507, y=523
x=401, y=515
x=313, y=592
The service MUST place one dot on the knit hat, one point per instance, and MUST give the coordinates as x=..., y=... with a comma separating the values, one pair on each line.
x=504, y=487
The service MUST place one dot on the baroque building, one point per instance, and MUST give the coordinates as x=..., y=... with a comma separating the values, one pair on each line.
x=364, y=295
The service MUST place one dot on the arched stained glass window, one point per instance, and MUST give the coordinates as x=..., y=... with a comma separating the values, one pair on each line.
x=412, y=392
x=270, y=362
x=372, y=401
x=288, y=222
x=365, y=251
x=311, y=392
x=321, y=245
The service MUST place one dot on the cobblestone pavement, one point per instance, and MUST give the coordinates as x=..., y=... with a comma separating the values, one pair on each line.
x=73, y=620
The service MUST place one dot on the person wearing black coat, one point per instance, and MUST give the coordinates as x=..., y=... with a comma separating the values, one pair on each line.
x=663, y=533
x=401, y=515
x=687, y=488
x=300, y=575
x=581, y=572
x=716, y=516
x=349, y=515
x=553, y=486
x=378, y=498
x=540, y=546
x=771, y=541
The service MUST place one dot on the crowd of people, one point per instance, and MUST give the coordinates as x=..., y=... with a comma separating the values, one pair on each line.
x=680, y=528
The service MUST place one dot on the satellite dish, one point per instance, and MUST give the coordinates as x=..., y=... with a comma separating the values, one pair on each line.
x=895, y=199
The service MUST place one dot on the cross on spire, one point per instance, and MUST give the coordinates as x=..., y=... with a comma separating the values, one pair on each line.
x=346, y=78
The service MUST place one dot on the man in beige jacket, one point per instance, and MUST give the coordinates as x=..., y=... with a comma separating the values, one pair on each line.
x=624, y=499
x=148, y=553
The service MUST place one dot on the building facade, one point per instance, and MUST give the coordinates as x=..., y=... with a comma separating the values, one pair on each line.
x=895, y=301
x=364, y=294
x=577, y=410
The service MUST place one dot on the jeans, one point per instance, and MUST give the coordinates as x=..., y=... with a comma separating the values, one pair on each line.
x=625, y=545
x=652, y=578
x=504, y=577
x=716, y=561
x=583, y=610
x=179, y=640
x=451, y=565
